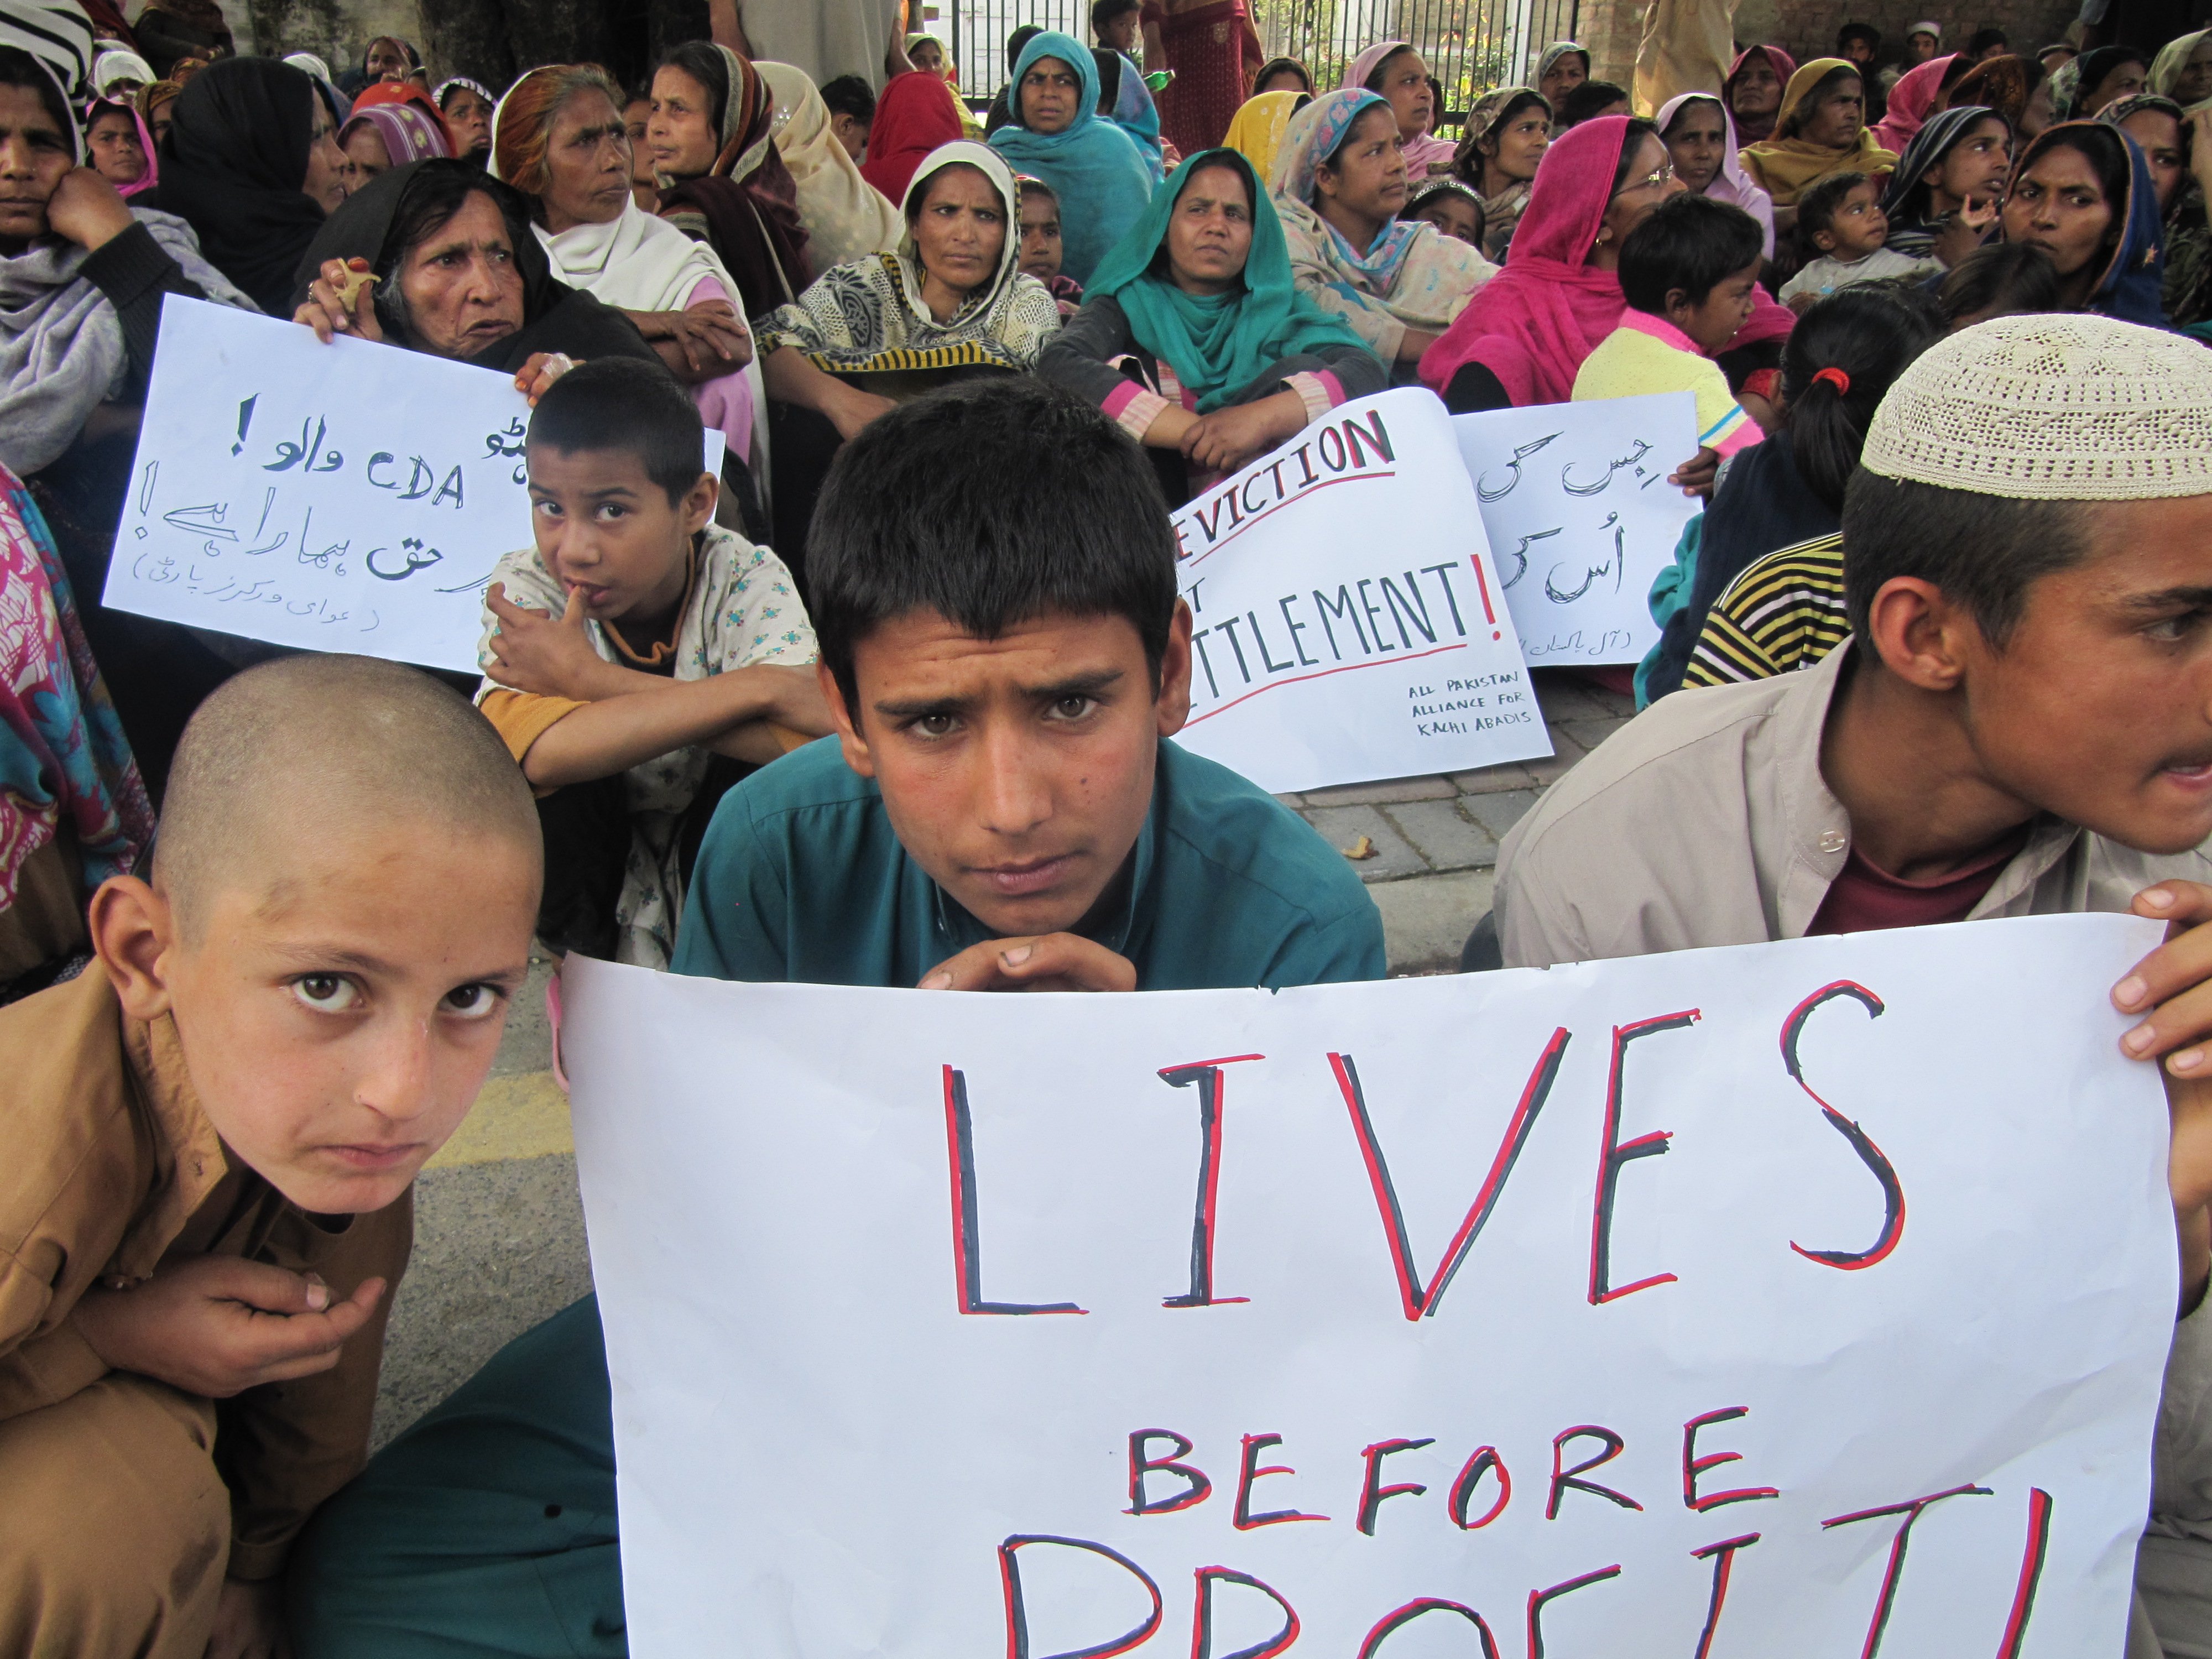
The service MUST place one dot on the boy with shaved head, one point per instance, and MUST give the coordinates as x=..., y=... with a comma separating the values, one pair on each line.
x=2019, y=724
x=212, y=1137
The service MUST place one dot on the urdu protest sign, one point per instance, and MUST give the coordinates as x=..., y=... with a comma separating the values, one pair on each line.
x=1581, y=518
x=351, y=496
x=1346, y=621
x=1639, y=1308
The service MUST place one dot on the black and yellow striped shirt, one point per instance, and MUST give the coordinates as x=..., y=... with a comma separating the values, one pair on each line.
x=1784, y=612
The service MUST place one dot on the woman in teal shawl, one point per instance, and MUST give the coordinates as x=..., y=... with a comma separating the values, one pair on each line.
x=1100, y=176
x=1194, y=335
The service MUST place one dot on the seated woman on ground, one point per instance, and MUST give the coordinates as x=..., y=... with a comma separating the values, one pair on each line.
x=377, y=137
x=1505, y=137
x=950, y=302
x=1282, y=75
x=1099, y=172
x=723, y=181
x=559, y=138
x=458, y=274
x=1753, y=91
x=466, y=107
x=2178, y=148
x=119, y=147
x=1822, y=129
x=1195, y=338
x=1701, y=142
x=2082, y=193
x=251, y=163
x=1395, y=70
x=1339, y=185
x=82, y=318
x=1524, y=337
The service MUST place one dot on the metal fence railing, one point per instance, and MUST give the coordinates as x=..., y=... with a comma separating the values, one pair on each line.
x=1470, y=45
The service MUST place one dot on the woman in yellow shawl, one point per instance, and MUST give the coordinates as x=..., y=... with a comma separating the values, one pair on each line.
x=1256, y=131
x=1820, y=130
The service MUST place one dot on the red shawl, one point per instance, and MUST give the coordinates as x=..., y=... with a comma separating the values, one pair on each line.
x=1533, y=324
x=913, y=118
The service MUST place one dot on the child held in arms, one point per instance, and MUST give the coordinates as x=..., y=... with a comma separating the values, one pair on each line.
x=1845, y=236
x=639, y=659
x=1003, y=810
x=1687, y=273
x=212, y=1139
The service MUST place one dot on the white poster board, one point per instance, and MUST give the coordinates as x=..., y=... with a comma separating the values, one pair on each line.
x=343, y=497
x=945, y=1326
x=1347, y=627
x=1581, y=518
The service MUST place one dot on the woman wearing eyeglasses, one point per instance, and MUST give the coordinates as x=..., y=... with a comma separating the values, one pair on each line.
x=1526, y=332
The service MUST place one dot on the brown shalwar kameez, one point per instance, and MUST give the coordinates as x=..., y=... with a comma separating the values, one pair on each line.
x=123, y=1502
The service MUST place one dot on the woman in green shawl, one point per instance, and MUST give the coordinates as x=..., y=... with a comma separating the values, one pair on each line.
x=1194, y=337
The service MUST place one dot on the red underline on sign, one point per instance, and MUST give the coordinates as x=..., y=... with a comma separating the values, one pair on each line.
x=1379, y=662
x=1288, y=501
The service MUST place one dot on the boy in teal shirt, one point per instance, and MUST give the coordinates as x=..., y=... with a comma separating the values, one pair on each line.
x=1006, y=659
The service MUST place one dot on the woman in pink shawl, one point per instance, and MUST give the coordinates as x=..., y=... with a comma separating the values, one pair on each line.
x=1395, y=70
x=1526, y=332
x=1700, y=136
x=1911, y=101
x=1753, y=92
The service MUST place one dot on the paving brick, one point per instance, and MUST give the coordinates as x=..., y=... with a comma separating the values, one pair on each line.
x=1342, y=826
x=1426, y=918
x=1511, y=775
x=1447, y=839
x=1498, y=812
x=1568, y=696
x=1293, y=802
x=1565, y=752
x=1589, y=733
x=1384, y=793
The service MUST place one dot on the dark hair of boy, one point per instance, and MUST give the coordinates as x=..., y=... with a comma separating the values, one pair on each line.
x=912, y=520
x=1586, y=100
x=1103, y=12
x=1850, y=32
x=1686, y=246
x=1816, y=209
x=1997, y=279
x=1036, y=187
x=850, y=95
x=1985, y=551
x=1983, y=39
x=626, y=404
x=1866, y=335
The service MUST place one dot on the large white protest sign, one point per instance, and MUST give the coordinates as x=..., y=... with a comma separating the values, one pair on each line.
x=1369, y=1321
x=1581, y=518
x=1347, y=626
x=343, y=498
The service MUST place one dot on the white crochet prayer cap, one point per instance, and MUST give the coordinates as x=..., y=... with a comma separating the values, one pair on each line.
x=2052, y=407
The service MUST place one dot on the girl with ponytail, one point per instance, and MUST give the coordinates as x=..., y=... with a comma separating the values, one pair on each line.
x=1843, y=355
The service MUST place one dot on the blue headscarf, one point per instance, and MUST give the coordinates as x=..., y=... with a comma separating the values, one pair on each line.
x=1134, y=112
x=1098, y=170
x=2129, y=288
x=1316, y=134
x=1218, y=345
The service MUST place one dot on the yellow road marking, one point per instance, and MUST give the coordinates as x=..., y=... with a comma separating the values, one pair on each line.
x=520, y=1116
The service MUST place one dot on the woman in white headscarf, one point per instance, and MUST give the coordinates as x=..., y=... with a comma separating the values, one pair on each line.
x=1701, y=141
x=846, y=217
x=558, y=137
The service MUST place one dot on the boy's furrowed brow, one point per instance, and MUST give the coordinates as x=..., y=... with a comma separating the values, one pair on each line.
x=2168, y=599
x=914, y=709
x=1075, y=685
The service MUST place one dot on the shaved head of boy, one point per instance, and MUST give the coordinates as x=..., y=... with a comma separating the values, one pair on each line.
x=344, y=887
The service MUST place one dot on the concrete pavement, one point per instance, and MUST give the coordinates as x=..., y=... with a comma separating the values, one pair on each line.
x=499, y=1228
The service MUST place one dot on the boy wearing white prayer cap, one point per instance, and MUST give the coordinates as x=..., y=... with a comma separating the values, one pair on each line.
x=2021, y=723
